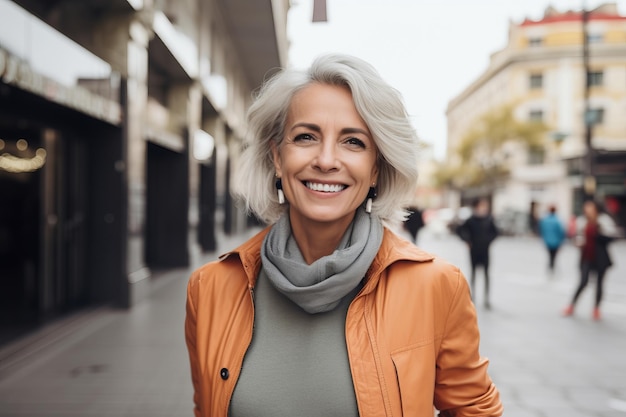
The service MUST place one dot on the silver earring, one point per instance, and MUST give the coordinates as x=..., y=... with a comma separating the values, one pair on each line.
x=279, y=188
x=371, y=195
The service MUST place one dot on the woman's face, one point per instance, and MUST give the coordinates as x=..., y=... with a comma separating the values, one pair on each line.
x=327, y=159
x=589, y=208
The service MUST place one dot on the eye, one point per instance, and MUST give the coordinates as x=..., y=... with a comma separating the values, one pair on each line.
x=303, y=137
x=356, y=142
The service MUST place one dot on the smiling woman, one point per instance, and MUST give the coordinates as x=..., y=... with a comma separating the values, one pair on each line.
x=327, y=162
x=327, y=311
x=379, y=119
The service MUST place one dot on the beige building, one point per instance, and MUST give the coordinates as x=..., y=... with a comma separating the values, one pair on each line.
x=120, y=121
x=541, y=72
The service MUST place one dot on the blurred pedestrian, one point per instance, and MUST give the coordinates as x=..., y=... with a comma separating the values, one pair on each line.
x=414, y=222
x=533, y=222
x=595, y=231
x=553, y=234
x=571, y=227
x=479, y=231
x=327, y=311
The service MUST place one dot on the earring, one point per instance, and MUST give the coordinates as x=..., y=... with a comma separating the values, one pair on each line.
x=371, y=195
x=279, y=188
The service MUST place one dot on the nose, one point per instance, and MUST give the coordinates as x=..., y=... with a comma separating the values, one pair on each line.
x=327, y=158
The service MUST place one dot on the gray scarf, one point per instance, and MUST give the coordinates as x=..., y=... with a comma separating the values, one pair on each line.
x=319, y=287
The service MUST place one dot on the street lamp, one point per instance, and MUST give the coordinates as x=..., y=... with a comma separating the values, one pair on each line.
x=589, y=184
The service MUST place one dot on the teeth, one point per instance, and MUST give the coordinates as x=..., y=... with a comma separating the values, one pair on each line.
x=327, y=188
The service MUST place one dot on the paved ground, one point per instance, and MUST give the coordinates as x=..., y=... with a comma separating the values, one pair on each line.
x=133, y=363
x=545, y=364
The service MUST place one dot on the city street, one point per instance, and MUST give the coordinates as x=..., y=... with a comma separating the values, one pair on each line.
x=545, y=364
x=107, y=362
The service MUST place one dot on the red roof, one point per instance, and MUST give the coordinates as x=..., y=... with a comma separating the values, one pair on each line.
x=571, y=17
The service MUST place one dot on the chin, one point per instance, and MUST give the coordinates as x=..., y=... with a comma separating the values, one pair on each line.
x=329, y=215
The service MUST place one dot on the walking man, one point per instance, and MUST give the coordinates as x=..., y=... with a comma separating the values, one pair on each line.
x=479, y=231
x=414, y=222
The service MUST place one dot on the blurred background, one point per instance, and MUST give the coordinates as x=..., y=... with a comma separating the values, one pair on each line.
x=121, y=122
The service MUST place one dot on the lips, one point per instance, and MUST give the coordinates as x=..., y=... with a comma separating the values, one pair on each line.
x=325, y=188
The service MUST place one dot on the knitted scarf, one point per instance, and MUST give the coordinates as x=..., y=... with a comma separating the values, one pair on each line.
x=319, y=287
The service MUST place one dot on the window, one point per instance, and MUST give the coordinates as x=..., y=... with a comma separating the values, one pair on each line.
x=594, y=38
x=595, y=116
x=575, y=166
x=596, y=78
x=535, y=116
x=536, y=81
x=536, y=155
x=535, y=42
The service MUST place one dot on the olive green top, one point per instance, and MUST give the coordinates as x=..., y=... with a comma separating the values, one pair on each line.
x=297, y=363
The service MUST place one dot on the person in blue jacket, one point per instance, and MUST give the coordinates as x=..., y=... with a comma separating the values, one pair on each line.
x=553, y=234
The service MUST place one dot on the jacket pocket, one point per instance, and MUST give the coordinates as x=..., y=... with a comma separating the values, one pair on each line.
x=415, y=373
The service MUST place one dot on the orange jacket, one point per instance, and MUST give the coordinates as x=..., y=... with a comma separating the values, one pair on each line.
x=411, y=333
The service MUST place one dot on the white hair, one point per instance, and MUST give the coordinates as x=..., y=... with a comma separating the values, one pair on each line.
x=379, y=105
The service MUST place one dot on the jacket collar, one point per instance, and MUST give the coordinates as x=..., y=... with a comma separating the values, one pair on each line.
x=392, y=249
x=249, y=255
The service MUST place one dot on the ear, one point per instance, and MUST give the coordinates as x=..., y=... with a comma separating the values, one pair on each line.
x=276, y=158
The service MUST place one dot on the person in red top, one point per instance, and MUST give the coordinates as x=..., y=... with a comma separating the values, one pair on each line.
x=596, y=231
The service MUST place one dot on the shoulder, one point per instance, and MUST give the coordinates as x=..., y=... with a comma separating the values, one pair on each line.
x=607, y=225
x=471, y=219
x=243, y=263
x=215, y=270
x=423, y=293
x=434, y=274
x=216, y=283
x=396, y=248
x=401, y=261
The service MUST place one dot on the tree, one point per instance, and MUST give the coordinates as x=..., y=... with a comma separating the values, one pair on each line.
x=481, y=157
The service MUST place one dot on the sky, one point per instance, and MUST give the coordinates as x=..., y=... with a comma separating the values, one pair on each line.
x=429, y=50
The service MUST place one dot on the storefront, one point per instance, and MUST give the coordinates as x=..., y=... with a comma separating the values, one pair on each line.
x=120, y=125
x=61, y=208
x=610, y=168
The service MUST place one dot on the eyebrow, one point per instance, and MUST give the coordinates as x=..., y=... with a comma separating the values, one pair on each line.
x=343, y=131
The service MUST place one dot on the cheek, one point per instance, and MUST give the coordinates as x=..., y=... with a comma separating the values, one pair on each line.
x=374, y=171
x=374, y=176
x=290, y=164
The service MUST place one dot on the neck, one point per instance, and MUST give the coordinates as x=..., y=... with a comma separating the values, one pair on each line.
x=318, y=239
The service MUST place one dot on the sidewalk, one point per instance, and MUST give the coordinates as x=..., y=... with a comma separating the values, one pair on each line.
x=105, y=361
x=542, y=363
x=108, y=362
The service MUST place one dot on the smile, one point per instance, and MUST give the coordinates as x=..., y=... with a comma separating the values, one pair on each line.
x=326, y=188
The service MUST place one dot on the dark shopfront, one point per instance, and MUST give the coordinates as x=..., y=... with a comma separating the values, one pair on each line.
x=60, y=210
x=609, y=169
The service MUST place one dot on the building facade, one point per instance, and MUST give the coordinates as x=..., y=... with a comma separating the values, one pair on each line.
x=541, y=73
x=120, y=122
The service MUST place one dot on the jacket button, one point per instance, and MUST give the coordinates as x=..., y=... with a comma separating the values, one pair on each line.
x=224, y=374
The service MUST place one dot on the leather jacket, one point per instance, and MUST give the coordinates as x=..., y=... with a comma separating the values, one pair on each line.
x=411, y=333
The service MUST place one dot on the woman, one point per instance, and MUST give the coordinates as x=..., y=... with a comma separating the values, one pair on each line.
x=327, y=312
x=595, y=233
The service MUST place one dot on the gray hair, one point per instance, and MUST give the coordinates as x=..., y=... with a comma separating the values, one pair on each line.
x=379, y=104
